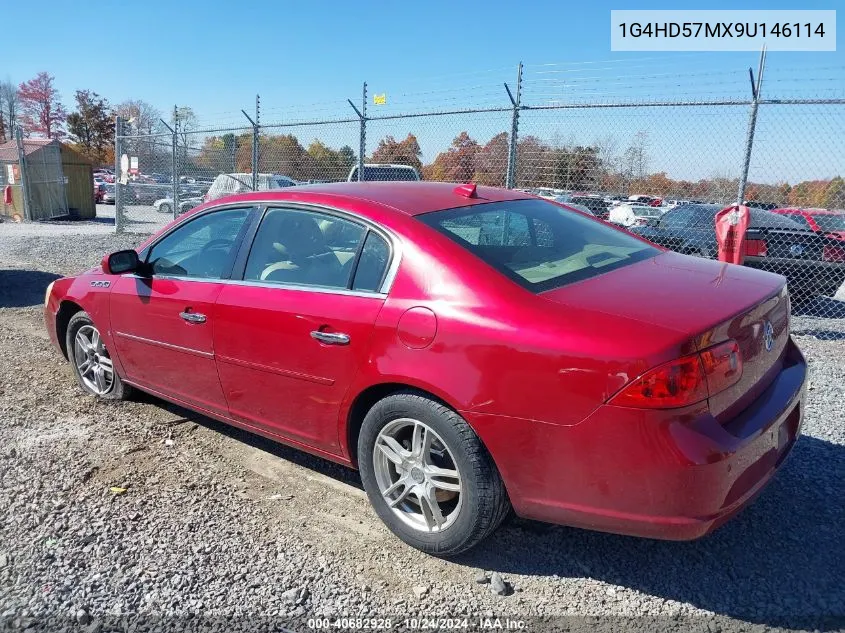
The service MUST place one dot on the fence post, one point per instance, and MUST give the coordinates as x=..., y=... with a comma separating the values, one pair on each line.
x=22, y=163
x=510, y=177
x=752, y=124
x=362, y=139
x=118, y=187
x=174, y=159
x=255, y=130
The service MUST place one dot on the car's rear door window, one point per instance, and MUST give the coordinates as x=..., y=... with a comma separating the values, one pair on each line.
x=537, y=243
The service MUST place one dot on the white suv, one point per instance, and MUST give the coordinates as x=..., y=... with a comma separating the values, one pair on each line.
x=227, y=184
x=384, y=171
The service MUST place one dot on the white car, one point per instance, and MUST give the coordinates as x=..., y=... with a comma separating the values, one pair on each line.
x=227, y=184
x=383, y=171
x=634, y=214
x=165, y=205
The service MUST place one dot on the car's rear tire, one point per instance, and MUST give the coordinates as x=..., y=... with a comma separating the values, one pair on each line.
x=165, y=208
x=92, y=366
x=422, y=457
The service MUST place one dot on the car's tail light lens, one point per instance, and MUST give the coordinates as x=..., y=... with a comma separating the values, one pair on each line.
x=756, y=248
x=685, y=381
x=834, y=254
x=722, y=366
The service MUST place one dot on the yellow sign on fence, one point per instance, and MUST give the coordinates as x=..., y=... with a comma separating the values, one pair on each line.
x=380, y=99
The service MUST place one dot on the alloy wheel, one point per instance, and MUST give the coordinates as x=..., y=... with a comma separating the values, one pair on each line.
x=417, y=475
x=92, y=360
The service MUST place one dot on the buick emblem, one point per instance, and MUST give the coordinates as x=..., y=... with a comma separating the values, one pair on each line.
x=768, y=335
x=796, y=249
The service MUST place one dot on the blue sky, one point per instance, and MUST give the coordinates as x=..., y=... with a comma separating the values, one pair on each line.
x=306, y=58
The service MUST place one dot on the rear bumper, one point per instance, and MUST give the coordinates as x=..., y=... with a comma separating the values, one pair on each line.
x=675, y=474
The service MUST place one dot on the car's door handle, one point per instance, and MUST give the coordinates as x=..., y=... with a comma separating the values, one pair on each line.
x=193, y=317
x=331, y=338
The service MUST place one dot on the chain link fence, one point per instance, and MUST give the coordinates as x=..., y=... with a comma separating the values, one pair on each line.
x=657, y=152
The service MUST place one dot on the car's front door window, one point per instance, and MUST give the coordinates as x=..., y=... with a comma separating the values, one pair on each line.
x=203, y=248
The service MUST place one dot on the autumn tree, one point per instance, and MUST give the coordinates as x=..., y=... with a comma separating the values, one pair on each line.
x=91, y=126
x=491, y=162
x=141, y=120
x=834, y=195
x=406, y=152
x=458, y=163
x=8, y=110
x=42, y=112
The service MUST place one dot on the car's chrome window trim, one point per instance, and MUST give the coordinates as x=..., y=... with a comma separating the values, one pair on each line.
x=266, y=284
x=262, y=206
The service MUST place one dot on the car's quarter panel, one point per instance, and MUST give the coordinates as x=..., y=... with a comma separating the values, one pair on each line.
x=274, y=373
x=158, y=348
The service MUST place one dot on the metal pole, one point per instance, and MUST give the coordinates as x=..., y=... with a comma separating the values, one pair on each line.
x=362, y=141
x=254, y=146
x=255, y=141
x=118, y=187
x=22, y=162
x=174, y=164
x=752, y=125
x=510, y=176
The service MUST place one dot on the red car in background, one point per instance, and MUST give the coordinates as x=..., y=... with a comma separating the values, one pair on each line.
x=826, y=221
x=468, y=349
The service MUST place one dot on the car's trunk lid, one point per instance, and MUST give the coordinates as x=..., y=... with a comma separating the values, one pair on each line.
x=707, y=300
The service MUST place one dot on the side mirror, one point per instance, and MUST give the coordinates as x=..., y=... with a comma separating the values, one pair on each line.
x=121, y=262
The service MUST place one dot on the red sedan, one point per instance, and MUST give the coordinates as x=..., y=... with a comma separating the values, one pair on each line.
x=469, y=350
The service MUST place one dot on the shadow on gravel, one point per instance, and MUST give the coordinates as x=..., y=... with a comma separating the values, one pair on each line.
x=822, y=335
x=777, y=563
x=295, y=456
x=822, y=307
x=23, y=288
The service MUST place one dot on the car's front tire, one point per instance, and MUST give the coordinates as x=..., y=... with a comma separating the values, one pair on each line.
x=165, y=208
x=428, y=476
x=92, y=366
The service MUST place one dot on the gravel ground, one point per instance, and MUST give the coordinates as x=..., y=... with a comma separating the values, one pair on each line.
x=222, y=530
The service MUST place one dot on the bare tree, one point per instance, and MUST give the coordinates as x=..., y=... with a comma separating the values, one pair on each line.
x=9, y=110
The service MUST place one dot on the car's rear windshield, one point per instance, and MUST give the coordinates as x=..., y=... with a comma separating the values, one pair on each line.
x=832, y=222
x=386, y=173
x=538, y=244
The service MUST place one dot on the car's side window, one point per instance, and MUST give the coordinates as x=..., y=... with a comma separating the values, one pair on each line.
x=293, y=246
x=372, y=264
x=203, y=247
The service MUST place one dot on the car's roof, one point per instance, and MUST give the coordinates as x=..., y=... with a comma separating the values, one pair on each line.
x=408, y=197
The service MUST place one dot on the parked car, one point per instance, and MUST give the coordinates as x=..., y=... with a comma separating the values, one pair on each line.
x=109, y=194
x=227, y=184
x=99, y=192
x=633, y=214
x=579, y=207
x=824, y=221
x=165, y=205
x=468, y=349
x=594, y=203
x=812, y=263
x=383, y=171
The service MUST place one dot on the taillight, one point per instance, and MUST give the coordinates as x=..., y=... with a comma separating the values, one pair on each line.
x=756, y=248
x=833, y=254
x=722, y=366
x=685, y=381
